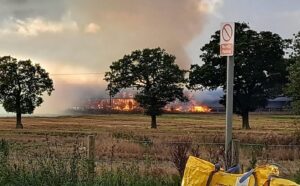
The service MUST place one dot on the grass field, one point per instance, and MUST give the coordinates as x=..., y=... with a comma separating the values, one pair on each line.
x=127, y=138
x=170, y=127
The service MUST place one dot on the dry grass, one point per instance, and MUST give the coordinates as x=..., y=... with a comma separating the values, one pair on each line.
x=127, y=138
x=202, y=127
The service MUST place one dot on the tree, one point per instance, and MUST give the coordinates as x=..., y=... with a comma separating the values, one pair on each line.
x=293, y=86
x=21, y=86
x=259, y=74
x=153, y=74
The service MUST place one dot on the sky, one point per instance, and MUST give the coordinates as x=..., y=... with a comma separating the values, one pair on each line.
x=76, y=40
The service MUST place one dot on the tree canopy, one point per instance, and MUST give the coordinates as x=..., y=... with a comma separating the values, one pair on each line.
x=22, y=85
x=293, y=86
x=259, y=72
x=153, y=74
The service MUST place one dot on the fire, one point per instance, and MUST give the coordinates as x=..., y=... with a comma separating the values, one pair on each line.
x=124, y=104
x=127, y=103
x=182, y=107
x=202, y=108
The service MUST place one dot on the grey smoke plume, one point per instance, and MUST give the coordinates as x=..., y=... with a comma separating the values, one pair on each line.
x=75, y=36
x=124, y=26
x=135, y=24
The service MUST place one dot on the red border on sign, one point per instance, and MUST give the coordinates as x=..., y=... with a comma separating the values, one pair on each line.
x=225, y=31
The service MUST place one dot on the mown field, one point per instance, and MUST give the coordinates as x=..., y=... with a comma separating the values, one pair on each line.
x=127, y=140
x=272, y=129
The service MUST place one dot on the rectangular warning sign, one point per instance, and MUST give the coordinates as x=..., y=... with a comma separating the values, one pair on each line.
x=227, y=39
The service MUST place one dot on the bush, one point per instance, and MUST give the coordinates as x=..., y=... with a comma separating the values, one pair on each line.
x=179, y=153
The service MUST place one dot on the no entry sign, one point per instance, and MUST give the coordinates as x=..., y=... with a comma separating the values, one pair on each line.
x=227, y=39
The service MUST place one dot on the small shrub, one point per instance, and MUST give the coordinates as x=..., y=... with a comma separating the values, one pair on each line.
x=195, y=150
x=253, y=160
x=180, y=153
x=216, y=154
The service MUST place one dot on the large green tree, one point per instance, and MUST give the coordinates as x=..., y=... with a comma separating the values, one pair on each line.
x=21, y=86
x=293, y=87
x=259, y=72
x=153, y=74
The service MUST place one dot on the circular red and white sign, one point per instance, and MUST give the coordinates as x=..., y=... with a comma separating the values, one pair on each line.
x=227, y=32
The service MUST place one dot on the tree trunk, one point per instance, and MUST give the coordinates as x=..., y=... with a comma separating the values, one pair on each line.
x=153, y=122
x=245, y=117
x=19, y=120
x=19, y=124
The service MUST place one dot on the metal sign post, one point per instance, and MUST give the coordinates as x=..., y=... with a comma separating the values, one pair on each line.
x=229, y=104
x=227, y=49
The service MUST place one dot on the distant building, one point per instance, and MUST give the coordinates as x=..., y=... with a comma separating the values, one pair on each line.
x=278, y=104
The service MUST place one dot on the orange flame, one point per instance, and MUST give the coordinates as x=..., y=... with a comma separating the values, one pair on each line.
x=129, y=104
x=201, y=108
x=123, y=104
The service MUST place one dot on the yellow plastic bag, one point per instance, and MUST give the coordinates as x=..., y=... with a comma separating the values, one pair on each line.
x=279, y=182
x=199, y=172
x=223, y=178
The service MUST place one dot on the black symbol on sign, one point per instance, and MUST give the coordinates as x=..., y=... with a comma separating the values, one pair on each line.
x=227, y=32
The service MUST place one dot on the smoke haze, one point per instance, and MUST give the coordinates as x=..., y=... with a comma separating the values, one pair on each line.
x=76, y=37
x=136, y=24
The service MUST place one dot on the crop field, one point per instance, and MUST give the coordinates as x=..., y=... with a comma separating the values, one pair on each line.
x=127, y=140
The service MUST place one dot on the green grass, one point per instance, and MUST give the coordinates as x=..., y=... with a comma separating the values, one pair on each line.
x=49, y=169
